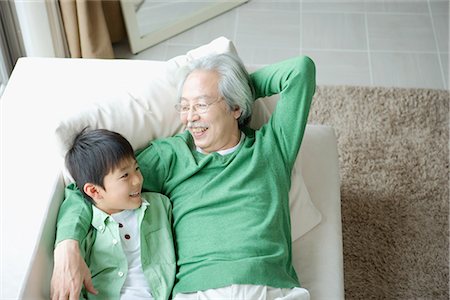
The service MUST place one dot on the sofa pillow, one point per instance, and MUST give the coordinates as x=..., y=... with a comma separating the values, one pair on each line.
x=144, y=111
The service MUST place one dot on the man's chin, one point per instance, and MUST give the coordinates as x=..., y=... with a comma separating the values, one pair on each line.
x=199, y=141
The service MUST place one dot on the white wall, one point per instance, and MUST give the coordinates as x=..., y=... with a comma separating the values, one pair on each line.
x=40, y=28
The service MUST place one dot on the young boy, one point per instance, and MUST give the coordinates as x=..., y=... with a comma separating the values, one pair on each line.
x=129, y=247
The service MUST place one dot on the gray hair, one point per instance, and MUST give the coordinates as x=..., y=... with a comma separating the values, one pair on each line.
x=235, y=85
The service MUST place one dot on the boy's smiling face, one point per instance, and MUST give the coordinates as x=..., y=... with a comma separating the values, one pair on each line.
x=122, y=188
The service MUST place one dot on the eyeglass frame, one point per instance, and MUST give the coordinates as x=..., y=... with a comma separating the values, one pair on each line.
x=196, y=108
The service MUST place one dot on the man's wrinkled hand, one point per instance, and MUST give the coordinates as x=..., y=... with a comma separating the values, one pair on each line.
x=70, y=272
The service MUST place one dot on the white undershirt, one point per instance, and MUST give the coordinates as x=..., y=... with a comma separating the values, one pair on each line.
x=225, y=151
x=135, y=285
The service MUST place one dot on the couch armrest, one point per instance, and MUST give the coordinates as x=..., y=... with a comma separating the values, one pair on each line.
x=39, y=272
x=30, y=183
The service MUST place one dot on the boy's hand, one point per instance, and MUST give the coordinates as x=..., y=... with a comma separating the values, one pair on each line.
x=70, y=272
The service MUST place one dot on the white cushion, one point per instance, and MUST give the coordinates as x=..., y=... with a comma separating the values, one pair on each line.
x=144, y=111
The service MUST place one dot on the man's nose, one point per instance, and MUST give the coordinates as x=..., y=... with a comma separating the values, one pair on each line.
x=192, y=115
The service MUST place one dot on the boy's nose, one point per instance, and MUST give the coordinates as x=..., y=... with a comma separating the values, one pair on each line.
x=137, y=179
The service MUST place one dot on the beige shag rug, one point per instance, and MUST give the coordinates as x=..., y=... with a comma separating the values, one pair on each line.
x=393, y=148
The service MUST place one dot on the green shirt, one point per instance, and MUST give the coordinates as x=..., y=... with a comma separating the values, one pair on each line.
x=231, y=212
x=107, y=261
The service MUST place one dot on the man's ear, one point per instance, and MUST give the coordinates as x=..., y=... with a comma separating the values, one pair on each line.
x=237, y=112
x=92, y=191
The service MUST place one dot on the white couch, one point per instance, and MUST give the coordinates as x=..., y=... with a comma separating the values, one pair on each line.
x=48, y=95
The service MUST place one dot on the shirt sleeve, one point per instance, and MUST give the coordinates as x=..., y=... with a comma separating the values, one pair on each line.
x=152, y=169
x=294, y=80
x=74, y=216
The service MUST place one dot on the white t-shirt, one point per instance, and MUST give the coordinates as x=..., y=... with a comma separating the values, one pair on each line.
x=135, y=285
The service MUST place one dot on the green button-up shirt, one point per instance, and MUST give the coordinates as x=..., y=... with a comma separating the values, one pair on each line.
x=107, y=261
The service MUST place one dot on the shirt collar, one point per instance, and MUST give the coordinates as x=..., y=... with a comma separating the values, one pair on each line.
x=99, y=217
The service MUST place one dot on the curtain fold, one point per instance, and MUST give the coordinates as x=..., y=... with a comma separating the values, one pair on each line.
x=91, y=26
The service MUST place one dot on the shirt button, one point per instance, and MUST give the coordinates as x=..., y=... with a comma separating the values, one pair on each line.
x=100, y=227
x=114, y=241
x=120, y=273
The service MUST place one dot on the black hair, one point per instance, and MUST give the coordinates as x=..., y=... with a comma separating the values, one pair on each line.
x=95, y=153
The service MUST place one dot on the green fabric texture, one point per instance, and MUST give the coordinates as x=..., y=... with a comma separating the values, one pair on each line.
x=231, y=212
x=106, y=259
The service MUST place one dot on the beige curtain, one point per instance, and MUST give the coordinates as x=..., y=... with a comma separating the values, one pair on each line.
x=91, y=26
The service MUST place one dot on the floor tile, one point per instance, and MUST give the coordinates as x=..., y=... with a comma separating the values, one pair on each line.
x=406, y=70
x=397, y=6
x=335, y=33
x=326, y=31
x=222, y=25
x=441, y=24
x=446, y=68
x=337, y=6
x=270, y=5
x=338, y=67
x=265, y=55
x=263, y=28
x=400, y=32
x=439, y=7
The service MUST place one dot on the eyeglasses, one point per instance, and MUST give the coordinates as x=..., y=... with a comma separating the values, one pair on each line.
x=199, y=108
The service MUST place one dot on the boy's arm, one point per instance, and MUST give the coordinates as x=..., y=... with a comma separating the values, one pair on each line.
x=70, y=271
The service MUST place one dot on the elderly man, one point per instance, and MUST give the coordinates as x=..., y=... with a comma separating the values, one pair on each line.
x=228, y=185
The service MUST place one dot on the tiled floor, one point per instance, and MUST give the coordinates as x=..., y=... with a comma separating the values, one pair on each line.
x=360, y=42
